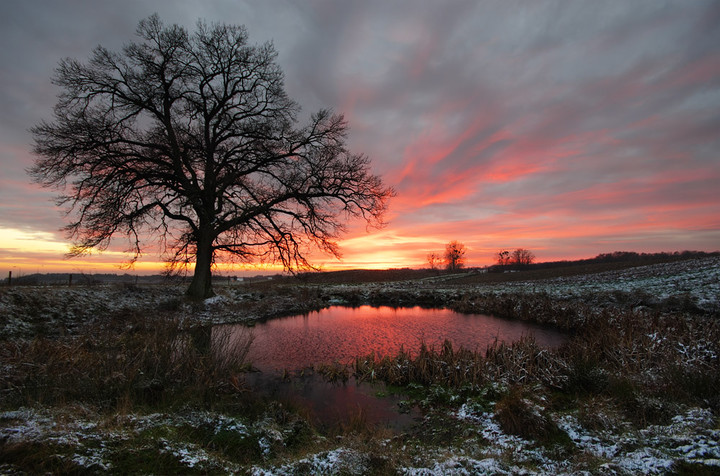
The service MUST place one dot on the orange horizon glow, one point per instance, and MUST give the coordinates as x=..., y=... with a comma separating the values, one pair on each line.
x=381, y=249
x=590, y=132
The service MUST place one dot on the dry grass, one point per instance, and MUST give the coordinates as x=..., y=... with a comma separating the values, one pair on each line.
x=521, y=362
x=333, y=373
x=620, y=368
x=519, y=415
x=428, y=366
x=535, y=307
x=139, y=360
x=642, y=364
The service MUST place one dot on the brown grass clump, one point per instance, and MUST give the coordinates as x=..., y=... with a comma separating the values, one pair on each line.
x=524, y=362
x=145, y=360
x=600, y=413
x=429, y=366
x=534, y=307
x=521, y=362
x=673, y=355
x=335, y=372
x=519, y=416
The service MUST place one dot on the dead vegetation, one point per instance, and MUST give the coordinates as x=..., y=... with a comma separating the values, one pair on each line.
x=646, y=363
x=133, y=361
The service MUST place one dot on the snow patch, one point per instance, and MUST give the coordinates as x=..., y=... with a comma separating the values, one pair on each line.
x=689, y=437
x=337, y=461
x=218, y=299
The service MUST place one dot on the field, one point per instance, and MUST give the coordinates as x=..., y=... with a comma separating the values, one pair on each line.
x=118, y=378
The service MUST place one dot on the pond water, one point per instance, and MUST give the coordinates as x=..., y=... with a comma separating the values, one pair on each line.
x=291, y=345
x=339, y=334
x=333, y=405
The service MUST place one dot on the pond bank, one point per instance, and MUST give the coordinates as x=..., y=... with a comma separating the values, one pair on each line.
x=634, y=391
x=689, y=287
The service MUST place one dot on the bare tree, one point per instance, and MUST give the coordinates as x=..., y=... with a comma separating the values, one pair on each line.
x=522, y=257
x=454, y=255
x=191, y=140
x=434, y=260
x=503, y=258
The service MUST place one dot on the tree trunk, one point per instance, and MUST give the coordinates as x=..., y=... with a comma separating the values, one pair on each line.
x=201, y=285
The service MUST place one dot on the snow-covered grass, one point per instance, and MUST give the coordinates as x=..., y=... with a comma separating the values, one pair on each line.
x=31, y=311
x=691, y=437
x=633, y=392
x=27, y=311
x=699, y=279
x=336, y=461
x=186, y=441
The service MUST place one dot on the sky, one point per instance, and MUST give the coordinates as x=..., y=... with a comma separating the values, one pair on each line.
x=569, y=128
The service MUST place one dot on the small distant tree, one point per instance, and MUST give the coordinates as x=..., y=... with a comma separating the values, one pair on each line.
x=454, y=256
x=522, y=257
x=503, y=258
x=434, y=260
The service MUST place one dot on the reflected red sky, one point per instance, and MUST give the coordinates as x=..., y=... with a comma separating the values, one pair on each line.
x=339, y=334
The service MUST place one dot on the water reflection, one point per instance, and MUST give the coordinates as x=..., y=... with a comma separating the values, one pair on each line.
x=339, y=334
x=334, y=405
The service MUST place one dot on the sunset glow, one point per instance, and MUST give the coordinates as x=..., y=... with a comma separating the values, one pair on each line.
x=569, y=132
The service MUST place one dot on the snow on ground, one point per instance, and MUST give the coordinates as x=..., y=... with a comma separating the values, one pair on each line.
x=690, y=283
x=697, y=278
x=692, y=436
x=337, y=461
x=89, y=439
x=464, y=466
x=47, y=310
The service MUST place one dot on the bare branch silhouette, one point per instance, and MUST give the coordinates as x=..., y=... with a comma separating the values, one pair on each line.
x=191, y=140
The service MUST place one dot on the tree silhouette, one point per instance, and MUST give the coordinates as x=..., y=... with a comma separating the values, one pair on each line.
x=454, y=255
x=191, y=140
x=522, y=257
x=434, y=260
x=503, y=258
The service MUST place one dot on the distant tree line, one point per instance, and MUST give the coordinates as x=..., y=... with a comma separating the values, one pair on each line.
x=453, y=259
x=519, y=258
x=633, y=256
x=613, y=257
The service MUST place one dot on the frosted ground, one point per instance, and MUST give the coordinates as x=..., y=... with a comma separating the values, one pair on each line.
x=90, y=440
x=24, y=309
x=699, y=279
x=696, y=279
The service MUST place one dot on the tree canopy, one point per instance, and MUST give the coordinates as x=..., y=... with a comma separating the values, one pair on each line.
x=192, y=140
x=454, y=255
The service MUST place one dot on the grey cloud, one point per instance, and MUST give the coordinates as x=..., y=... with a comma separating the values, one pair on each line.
x=631, y=85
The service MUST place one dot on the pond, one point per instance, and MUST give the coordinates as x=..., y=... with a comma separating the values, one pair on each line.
x=292, y=345
x=339, y=334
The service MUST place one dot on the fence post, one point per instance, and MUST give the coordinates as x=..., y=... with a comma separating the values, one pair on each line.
x=10, y=278
x=70, y=280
